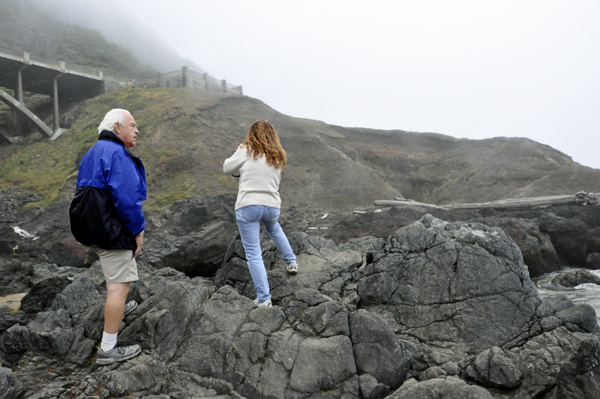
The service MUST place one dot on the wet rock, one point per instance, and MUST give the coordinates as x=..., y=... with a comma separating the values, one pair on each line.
x=593, y=261
x=573, y=278
x=569, y=238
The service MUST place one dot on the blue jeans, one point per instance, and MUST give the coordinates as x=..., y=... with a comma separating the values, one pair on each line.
x=248, y=219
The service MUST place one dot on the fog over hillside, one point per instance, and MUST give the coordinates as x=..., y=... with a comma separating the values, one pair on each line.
x=121, y=28
x=468, y=69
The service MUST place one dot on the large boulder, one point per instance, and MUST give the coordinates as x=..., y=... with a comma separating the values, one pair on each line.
x=457, y=283
x=569, y=238
x=536, y=247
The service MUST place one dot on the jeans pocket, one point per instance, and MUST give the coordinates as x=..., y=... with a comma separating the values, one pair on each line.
x=250, y=213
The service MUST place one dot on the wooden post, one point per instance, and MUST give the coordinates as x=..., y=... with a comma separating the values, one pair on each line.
x=184, y=76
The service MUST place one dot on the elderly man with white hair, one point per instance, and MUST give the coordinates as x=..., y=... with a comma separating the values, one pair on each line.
x=106, y=215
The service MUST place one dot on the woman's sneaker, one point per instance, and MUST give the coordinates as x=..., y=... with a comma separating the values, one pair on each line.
x=292, y=268
x=266, y=303
x=117, y=354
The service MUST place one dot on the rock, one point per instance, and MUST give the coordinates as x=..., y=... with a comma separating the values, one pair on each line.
x=377, y=350
x=432, y=372
x=434, y=281
x=371, y=388
x=492, y=368
x=593, y=261
x=578, y=378
x=15, y=339
x=435, y=300
x=15, y=277
x=569, y=238
x=447, y=388
x=161, y=322
x=582, y=316
x=41, y=295
x=8, y=318
x=143, y=374
x=322, y=364
x=10, y=386
x=594, y=240
x=573, y=278
x=196, y=238
x=542, y=357
x=536, y=247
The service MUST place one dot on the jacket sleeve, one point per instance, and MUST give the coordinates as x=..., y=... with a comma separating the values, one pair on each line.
x=233, y=164
x=126, y=188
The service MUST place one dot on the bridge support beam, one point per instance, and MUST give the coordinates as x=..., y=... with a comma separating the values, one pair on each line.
x=24, y=112
x=55, y=102
x=19, y=93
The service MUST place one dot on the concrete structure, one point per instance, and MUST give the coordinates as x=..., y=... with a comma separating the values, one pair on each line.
x=185, y=77
x=20, y=73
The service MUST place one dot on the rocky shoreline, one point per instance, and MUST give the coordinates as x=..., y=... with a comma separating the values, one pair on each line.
x=388, y=303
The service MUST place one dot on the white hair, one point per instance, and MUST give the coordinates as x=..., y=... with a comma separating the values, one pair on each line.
x=113, y=116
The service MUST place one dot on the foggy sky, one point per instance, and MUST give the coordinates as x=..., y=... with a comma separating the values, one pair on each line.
x=468, y=69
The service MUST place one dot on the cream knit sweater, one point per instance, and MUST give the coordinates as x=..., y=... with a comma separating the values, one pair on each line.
x=259, y=182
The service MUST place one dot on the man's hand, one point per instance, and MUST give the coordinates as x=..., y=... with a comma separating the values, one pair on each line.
x=139, y=241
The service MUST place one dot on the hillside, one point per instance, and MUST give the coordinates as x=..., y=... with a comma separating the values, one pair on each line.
x=25, y=27
x=186, y=134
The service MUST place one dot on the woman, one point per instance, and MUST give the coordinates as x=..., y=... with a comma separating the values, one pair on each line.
x=258, y=162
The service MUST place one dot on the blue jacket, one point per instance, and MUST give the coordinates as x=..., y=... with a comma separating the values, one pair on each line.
x=106, y=211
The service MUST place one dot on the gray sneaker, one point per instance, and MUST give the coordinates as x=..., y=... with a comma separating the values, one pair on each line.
x=266, y=303
x=292, y=268
x=117, y=354
x=130, y=307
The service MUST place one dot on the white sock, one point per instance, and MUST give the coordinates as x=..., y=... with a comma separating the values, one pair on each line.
x=108, y=341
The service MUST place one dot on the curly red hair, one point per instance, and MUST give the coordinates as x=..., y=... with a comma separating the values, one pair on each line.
x=263, y=139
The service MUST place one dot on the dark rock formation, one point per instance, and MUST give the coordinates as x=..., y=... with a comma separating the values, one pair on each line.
x=573, y=278
x=569, y=237
x=451, y=282
x=436, y=309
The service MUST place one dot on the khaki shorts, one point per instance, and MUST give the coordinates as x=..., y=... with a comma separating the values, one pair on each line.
x=118, y=265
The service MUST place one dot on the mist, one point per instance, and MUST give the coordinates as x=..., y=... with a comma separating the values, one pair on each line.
x=467, y=69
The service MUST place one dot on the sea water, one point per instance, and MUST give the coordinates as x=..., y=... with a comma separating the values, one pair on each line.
x=584, y=293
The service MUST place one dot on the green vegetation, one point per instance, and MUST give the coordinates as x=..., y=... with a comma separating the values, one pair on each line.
x=181, y=160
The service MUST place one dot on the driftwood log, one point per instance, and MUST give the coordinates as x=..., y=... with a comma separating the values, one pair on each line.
x=581, y=198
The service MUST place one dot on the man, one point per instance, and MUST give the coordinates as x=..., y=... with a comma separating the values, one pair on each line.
x=106, y=214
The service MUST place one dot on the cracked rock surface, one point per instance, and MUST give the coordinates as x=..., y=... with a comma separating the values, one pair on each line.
x=436, y=310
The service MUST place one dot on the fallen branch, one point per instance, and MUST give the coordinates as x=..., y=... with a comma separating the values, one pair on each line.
x=581, y=198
